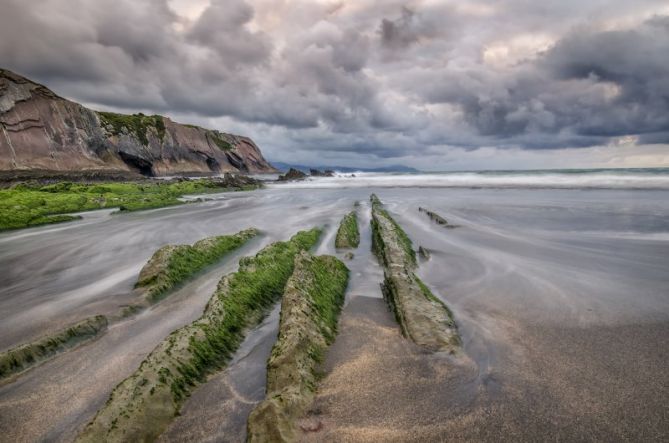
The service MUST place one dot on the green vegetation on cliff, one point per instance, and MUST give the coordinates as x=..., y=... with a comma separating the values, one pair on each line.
x=136, y=124
x=171, y=265
x=348, y=235
x=22, y=357
x=222, y=144
x=310, y=309
x=141, y=406
x=31, y=205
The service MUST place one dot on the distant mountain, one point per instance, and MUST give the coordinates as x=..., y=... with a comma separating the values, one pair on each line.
x=40, y=131
x=393, y=168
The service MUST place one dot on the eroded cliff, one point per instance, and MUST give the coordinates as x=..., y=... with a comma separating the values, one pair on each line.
x=41, y=131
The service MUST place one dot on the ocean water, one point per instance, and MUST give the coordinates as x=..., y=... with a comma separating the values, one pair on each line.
x=650, y=178
x=558, y=280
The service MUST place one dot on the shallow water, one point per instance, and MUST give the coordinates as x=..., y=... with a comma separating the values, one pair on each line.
x=540, y=280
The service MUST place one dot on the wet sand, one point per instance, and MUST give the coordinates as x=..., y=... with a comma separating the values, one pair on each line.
x=554, y=384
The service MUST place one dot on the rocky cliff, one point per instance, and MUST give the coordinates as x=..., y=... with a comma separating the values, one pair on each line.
x=42, y=131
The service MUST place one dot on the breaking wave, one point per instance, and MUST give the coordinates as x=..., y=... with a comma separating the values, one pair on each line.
x=656, y=178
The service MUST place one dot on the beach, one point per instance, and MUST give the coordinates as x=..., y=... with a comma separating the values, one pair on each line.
x=558, y=283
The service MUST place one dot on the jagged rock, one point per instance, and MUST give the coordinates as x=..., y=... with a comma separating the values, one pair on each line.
x=438, y=219
x=40, y=131
x=422, y=317
x=424, y=253
x=317, y=173
x=292, y=174
x=349, y=256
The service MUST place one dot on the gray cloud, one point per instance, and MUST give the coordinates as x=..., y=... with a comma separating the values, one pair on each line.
x=363, y=79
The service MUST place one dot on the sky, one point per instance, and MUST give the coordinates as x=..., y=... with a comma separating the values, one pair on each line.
x=435, y=85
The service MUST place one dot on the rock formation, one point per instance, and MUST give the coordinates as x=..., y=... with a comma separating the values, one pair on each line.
x=40, y=131
x=438, y=219
x=292, y=174
x=25, y=356
x=423, y=317
x=310, y=309
x=348, y=234
x=318, y=173
x=142, y=405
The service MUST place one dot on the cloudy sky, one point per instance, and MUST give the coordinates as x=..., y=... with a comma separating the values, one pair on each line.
x=437, y=85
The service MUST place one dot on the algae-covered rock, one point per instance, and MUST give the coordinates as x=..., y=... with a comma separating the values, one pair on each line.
x=348, y=235
x=142, y=406
x=422, y=317
x=23, y=357
x=171, y=265
x=310, y=309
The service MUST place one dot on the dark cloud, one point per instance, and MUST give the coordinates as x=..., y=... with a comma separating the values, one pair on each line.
x=385, y=79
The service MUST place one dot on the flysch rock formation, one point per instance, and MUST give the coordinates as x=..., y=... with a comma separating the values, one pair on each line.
x=310, y=309
x=40, y=131
x=423, y=318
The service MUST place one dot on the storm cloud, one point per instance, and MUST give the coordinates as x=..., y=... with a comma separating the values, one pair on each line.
x=362, y=81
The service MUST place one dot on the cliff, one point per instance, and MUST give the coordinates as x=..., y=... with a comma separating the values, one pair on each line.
x=40, y=131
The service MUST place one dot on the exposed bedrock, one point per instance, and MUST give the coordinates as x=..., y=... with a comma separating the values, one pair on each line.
x=310, y=309
x=142, y=406
x=42, y=131
x=438, y=219
x=422, y=317
x=171, y=265
x=348, y=234
x=25, y=356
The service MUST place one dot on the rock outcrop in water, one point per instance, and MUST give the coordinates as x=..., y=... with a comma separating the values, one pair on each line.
x=141, y=407
x=310, y=309
x=292, y=174
x=422, y=316
x=438, y=219
x=348, y=234
x=171, y=265
x=40, y=131
x=25, y=356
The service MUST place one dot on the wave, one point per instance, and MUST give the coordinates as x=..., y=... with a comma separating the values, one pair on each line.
x=562, y=179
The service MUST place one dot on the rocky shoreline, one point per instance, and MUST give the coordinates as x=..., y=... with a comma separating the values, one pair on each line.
x=141, y=407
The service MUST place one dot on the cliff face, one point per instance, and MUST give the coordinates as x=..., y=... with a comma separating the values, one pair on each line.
x=41, y=131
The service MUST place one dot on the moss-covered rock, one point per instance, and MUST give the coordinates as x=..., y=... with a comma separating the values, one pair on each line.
x=171, y=265
x=422, y=317
x=25, y=356
x=142, y=406
x=348, y=235
x=310, y=309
